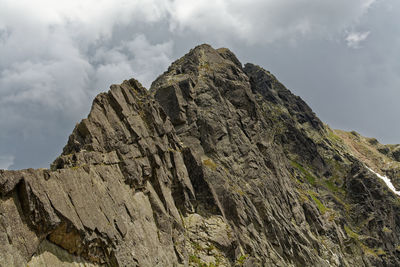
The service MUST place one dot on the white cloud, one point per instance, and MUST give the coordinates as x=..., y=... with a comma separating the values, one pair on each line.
x=6, y=162
x=62, y=53
x=60, y=50
x=136, y=58
x=57, y=55
x=265, y=21
x=354, y=39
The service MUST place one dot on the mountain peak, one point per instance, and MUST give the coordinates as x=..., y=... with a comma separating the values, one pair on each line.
x=266, y=84
x=217, y=165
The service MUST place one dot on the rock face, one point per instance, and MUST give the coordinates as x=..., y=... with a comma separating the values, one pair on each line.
x=216, y=165
x=381, y=158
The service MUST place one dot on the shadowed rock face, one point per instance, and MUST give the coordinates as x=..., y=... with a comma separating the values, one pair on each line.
x=216, y=165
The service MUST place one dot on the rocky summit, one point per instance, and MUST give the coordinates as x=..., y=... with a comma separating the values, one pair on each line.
x=217, y=164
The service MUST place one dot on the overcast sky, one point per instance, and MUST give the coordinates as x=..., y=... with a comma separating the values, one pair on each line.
x=341, y=56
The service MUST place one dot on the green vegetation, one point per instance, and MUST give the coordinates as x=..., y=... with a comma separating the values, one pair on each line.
x=332, y=215
x=310, y=178
x=373, y=252
x=333, y=137
x=303, y=195
x=240, y=261
x=210, y=248
x=210, y=164
x=195, y=259
x=386, y=230
x=197, y=246
x=319, y=204
x=345, y=205
x=380, y=252
x=330, y=184
x=367, y=250
x=351, y=233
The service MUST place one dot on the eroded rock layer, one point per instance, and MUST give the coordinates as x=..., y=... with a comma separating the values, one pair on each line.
x=216, y=165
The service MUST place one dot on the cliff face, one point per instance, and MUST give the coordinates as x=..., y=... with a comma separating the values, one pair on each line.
x=216, y=165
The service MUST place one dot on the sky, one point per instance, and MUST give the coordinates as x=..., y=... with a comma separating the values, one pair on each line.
x=340, y=56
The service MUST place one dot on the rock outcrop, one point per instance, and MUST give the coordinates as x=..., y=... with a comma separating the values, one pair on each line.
x=382, y=158
x=216, y=165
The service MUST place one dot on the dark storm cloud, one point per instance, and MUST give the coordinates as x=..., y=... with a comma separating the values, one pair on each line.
x=57, y=55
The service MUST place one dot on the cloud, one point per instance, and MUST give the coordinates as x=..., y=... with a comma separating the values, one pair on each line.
x=48, y=58
x=53, y=56
x=57, y=55
x=133, y=58
x=354, y=39
x=266, y=21
x=6, y=162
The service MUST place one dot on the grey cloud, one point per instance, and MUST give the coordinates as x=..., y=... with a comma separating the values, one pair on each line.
x=257, y=22
x=351, y=89
x=56, y=58
x=62, y=53
x=133, y=58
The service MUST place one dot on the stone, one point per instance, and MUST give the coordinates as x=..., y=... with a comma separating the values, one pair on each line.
x=218, y=164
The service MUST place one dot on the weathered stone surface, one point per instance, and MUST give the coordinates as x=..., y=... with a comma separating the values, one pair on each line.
x=108, y=197
x=217, y=165
x=50, y=255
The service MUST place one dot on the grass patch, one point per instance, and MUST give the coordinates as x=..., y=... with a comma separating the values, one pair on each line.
x=351, y=233
x=195, y=260
x=373, y=252
x=331, y=186
x=240, y=261
x=303, y=195
x=322, y=209
x=310, y=178
x=367, y=250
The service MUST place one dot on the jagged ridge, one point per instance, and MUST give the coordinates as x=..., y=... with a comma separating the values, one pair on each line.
x=215, y=165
